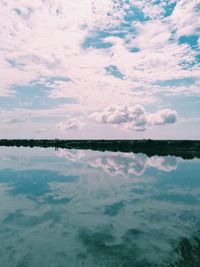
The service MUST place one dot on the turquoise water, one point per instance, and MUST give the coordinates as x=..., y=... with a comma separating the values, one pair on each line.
x=88, y=208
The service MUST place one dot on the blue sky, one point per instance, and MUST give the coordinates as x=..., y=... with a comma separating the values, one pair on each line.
x=100, y=69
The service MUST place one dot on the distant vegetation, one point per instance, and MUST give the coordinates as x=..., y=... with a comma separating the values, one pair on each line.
x=186, y=149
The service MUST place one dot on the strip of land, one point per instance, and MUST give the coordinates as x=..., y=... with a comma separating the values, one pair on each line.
x=186, y=149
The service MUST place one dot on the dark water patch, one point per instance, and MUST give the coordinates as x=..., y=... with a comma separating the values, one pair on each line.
x=57, y=201
x=25, y=261
x=132, y=234
x=114, y=209
x=177, y=198
x=100, y=246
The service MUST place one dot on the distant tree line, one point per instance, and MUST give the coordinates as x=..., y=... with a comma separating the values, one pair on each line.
x=183, y=148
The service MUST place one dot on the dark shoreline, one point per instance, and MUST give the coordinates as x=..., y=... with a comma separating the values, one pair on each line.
x=187, y=149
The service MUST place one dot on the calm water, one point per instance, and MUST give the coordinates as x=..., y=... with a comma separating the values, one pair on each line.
x=71, y=208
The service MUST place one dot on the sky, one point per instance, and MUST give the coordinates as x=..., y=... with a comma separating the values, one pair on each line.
x=100, y=69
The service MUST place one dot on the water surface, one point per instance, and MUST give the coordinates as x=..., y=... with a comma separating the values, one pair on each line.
x=71, y=208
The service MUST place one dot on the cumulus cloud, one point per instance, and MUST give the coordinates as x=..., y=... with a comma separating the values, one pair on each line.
x=71, y=124
x=134, y=117
x=163, y=116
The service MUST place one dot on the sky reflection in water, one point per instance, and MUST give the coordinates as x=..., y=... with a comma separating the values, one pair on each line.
x=86, y=208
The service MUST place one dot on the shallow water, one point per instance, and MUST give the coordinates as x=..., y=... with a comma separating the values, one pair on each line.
x=88, y=208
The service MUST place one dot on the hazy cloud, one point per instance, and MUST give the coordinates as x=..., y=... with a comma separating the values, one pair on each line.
x=14, y=120
x=71, y=124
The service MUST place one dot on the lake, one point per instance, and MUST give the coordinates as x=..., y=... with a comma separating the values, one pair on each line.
x=71, y=208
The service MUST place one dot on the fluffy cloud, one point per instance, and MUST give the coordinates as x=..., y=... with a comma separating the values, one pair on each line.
x=164, y=116
x=134, y=117
x=71, y=124
x=36, y=52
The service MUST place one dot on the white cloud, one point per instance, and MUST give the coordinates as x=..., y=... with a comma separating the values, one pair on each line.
x=29, y=26
x=71, y=124
x=44, y=39
x=163, y=116
x=189, y=23
x=134, y=117
x=49, y=38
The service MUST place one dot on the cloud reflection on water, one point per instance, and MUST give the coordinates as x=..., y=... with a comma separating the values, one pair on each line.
x=86, y=208
x=125, y=163
x=119, y=163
